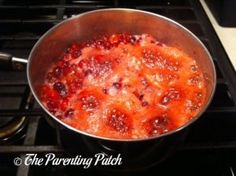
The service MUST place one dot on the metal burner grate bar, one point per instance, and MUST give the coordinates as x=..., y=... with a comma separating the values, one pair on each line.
x=29, y=140
x=32, y=113
x=210, y=146
x=31, y=131
x=31, y=149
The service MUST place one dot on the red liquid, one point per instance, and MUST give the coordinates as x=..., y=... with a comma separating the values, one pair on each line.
x=124, y=86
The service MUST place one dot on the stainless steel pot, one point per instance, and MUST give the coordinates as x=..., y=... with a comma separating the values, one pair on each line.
x=108, y=21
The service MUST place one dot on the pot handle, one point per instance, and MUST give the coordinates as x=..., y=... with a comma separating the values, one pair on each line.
x=8, y=58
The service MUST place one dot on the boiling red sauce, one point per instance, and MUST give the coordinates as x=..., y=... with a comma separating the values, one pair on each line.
x=124, y=86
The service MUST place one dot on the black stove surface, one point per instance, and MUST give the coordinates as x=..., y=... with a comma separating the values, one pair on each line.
x=210, y=145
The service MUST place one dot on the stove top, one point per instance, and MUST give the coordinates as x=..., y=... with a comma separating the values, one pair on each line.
x=209, y=146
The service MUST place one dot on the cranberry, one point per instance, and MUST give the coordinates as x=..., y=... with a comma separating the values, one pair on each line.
x=157, y=125
x=60, y=88
x=103, y=43
x=170, y=95
x=105, y=91
x=119, y=121
x=138, y=95
x=117, y=85
x=57, y=72
x=75, y=54
x=59, y=116
x=75, y=50
x=48, y=93
x=141, y=98
x=69, y=112
x=107, y=45
x=52, y=106
x=114, y=39
x=133, y=40
x=124, y=38
x=64, y=103
x=67, y=68
x=50, y=77
x=145, y=103
x=62, y=64
x=74, y=85
x=76, y=47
